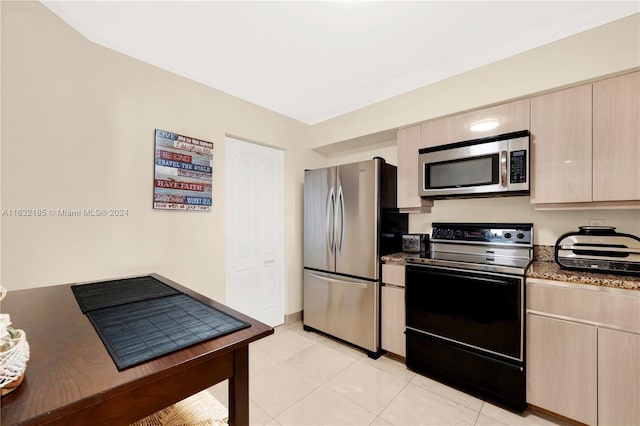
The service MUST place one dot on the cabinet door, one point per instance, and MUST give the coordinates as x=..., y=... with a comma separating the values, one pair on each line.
x=618, y=378
x=562, y=367
x=616, y=138
x=392, y=320
x=512, y=117
x=408, y=146
x=561, y=146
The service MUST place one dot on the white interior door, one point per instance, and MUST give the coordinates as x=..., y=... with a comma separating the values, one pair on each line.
x=255, y=230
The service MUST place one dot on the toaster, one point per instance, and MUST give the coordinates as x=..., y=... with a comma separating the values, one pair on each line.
x=415, y=243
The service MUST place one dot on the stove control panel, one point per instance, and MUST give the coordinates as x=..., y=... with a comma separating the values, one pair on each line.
x=485, y=233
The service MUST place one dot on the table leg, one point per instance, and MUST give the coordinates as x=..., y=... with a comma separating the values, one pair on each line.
x=239, y=389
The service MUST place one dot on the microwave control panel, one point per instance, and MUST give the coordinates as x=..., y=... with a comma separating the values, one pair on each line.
x=518, y=161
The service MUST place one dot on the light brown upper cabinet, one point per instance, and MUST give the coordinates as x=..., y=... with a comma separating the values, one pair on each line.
x=511, y=117
x=408, y=145
x=616, y=138
x=561, y=153
x=586, y=145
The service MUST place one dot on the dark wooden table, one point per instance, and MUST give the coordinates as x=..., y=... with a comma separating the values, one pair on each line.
x=72, y=380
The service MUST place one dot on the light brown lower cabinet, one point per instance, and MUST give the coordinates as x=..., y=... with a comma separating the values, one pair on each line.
x=392, y=320
x=392, y=311
x=562, y=367
x=618, y=378
x=583, y=352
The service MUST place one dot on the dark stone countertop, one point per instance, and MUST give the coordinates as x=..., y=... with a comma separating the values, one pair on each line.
x=397, y=258
x=546, y=268
x=551, y=271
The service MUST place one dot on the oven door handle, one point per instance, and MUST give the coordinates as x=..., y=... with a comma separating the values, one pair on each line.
x=475, y=277
x=448, y=271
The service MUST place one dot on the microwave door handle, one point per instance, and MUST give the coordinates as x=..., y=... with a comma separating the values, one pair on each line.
x=503, y=168
x=331, y=208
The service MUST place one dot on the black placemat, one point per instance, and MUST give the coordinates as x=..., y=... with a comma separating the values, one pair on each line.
x=137, y=332
x=117, y=292
x=139, y=319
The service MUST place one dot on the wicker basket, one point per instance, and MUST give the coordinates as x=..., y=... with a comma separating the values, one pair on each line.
x=13, y=363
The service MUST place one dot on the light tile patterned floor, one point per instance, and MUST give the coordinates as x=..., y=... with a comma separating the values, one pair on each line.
x=302, y=378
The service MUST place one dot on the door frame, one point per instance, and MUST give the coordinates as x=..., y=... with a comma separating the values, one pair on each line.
x=231, y=238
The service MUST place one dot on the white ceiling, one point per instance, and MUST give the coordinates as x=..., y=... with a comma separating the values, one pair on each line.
x=313, y=61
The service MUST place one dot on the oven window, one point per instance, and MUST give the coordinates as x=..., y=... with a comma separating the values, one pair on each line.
x=481, y=310
x=474, y=171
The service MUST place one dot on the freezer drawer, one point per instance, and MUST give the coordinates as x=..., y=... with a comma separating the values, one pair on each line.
x=344, y=307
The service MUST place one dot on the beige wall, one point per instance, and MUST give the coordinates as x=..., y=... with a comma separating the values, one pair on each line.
x=548, y=225
x=77, y=132
x=605, y=50
x=78, y=123
x=387, y=150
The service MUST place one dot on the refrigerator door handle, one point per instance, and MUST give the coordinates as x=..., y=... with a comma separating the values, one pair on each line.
x=341, y=200
x=331, y=213
x=335, y=280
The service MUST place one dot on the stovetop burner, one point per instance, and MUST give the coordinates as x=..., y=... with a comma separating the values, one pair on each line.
x=489, y=247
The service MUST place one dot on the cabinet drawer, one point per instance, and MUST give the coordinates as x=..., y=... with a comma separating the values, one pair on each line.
x=568, y=302
x=393, y=274
x=611, y=307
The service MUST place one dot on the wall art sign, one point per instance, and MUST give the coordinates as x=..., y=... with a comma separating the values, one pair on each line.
x=183, y=172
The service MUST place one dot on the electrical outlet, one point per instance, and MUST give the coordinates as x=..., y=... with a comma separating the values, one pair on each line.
x=596, y=222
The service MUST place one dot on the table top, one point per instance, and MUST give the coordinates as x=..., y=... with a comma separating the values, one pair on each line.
x=70, y=369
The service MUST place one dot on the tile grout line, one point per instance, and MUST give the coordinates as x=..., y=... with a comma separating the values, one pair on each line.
x=284, y=361
x=387, y=368
x=363, y=360
x=389, y=403
x=353, y=360
x=294, y=403
x=478, y=415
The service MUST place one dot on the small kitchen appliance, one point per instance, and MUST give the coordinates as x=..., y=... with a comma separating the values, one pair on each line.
x=599, y=249
x=415, y=243
x=490, y=166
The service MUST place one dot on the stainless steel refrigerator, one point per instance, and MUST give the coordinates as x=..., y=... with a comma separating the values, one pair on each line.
x=349, y=222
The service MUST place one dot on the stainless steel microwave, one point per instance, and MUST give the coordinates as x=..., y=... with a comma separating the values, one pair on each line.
x=491, y=166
